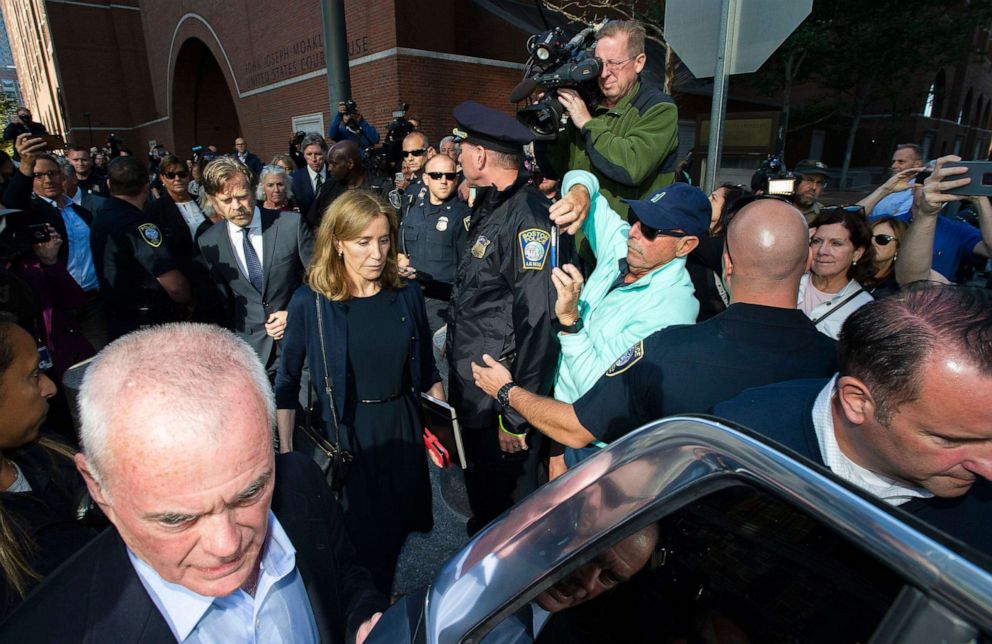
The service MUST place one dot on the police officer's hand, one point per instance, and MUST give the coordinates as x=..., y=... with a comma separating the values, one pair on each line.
x=570, y=211
x=568, y=282
x=28, y=147
x=490, y=375
x=575, y=106
x=275, y=326
x=928, y=201
x=48, y=252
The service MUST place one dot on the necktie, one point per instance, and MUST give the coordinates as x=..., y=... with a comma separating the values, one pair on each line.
x=251, y=261
x=320, y=182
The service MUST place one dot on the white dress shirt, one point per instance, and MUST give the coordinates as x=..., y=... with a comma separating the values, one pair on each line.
x=887, y=489
x=314, y=175
x=254, y=234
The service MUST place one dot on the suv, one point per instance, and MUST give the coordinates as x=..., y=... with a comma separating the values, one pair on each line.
x=691, y=529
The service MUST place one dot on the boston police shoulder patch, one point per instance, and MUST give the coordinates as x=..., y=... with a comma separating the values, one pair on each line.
x=534, y=244
x=627, y=360
x=151, y=234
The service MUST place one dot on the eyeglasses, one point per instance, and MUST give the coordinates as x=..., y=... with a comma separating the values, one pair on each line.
x=436, y=176
x=854, y=209
x=50, y=175
x=649, y=233
x=419, y=152
x=615, y=64
x=182, y=174
x=884, y=240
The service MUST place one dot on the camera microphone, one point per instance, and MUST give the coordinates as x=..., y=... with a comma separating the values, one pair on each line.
x=523, y=89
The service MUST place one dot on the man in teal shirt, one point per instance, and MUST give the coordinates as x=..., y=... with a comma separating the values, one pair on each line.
x=640, y=284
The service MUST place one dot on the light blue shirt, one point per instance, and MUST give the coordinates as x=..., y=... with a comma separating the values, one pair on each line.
x=615, y=320
x=896, y=204
x=279, y=612
x=80, y=263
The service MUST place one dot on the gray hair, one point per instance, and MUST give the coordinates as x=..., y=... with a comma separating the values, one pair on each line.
x=182, y=365
x=276, y=170
x=67, y=168
x=312, y=138
x=633, y=29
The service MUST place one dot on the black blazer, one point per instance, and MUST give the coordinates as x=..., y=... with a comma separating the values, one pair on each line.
x=303, y=188
x=97, y=597
x=179, y=241
x=286, y=247
x=20, y=194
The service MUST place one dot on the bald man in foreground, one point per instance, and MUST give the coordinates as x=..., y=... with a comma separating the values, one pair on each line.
x=760, y=339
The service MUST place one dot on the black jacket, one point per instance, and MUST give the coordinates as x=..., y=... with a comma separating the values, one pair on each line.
x=503, y=300
x=97, y=597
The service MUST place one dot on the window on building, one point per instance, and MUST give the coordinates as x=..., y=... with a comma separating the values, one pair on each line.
x=934, y=104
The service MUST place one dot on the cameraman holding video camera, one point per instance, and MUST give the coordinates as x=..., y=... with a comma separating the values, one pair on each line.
x=629, y=139
x=350, y=125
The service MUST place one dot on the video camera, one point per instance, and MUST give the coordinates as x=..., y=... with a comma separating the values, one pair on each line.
x=386, y=158
x=555, y=63
x=773, y=178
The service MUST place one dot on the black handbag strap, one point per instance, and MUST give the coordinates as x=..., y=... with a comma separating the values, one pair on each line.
x=327, y=373
x=838, y=307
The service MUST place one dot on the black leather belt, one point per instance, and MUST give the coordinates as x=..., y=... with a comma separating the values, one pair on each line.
x=376, y=401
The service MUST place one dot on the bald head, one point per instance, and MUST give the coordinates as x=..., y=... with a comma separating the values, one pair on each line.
x=768, y=245
x=342, y=159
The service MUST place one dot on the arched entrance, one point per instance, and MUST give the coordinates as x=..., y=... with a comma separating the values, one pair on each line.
x=202, y=108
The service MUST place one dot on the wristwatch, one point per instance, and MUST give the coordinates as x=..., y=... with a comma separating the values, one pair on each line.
x=574, y=327
x=503, y=395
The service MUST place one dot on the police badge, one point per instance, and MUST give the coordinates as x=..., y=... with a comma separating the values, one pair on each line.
x=151, y=234
x=442, y=224
x=627, y=360
x=534, y=244
x=480, y=246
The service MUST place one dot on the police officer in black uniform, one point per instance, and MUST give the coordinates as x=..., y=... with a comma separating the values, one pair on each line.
x=432, y=235
x=502, y=304
x=140, y=279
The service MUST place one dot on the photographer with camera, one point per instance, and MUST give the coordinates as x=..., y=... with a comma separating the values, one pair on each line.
x=629, y=139
x=935, y=241
x=21, y=123
x=350, y=125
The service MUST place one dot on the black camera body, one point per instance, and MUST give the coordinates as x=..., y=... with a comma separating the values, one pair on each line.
x=773, y=178
x=385, y=158
x=555, y=63
x=350, y=107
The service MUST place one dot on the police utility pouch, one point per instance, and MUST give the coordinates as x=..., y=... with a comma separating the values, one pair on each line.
x=332, y=460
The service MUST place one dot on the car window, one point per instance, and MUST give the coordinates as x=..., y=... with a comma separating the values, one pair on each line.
x=738, y=565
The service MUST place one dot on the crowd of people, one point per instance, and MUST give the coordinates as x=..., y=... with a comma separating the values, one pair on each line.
x=569, y=289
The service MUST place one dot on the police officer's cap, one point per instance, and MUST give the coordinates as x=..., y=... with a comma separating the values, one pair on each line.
x=489, y=128
x=812, y=166
x=675, y=207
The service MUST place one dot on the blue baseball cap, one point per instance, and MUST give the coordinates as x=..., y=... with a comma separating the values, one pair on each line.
x=678, y=206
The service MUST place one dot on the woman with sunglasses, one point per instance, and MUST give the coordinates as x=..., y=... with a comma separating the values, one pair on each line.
x=176, y=212
x=887, y=233
x=843, y=256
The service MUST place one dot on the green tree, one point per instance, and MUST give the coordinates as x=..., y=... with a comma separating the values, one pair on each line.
x=8, y=109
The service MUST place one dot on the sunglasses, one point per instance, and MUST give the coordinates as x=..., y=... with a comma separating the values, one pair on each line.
x=436, y=176
x=649, y=233
x=182, y=174
x=419, y=152
x=884, y=240
x=853, y=209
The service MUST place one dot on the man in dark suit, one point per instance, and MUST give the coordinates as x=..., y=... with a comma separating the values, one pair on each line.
x=37, y=188
x=256, y=258
x=187, y=476
x=250, y=159
x=307, y=181
x=906, y=418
